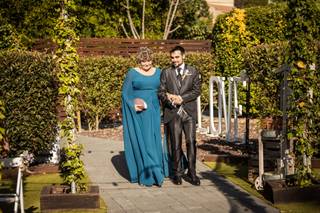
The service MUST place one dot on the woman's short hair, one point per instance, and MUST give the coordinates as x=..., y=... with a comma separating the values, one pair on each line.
x=144, y=54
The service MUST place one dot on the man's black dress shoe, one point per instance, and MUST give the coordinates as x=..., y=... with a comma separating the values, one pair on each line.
x=177, y=180
x=193, y=179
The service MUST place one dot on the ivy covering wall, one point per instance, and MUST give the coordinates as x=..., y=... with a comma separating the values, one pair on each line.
x=304, y=110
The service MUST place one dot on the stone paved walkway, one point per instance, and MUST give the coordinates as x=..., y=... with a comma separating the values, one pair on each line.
x=105, y=164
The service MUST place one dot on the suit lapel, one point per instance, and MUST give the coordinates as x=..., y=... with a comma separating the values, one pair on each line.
x=185, y=79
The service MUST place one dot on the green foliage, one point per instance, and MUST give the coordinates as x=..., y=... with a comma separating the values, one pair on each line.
x=194, y=19
x=230, y=35
x=268, y=24
x=28, y=88
x=244, y=28
x=101, y=81
x=13, y=13
x=262, y=64
x=2, y=130
x=304, y=110
x=36, y=19
x=2, y=117
x=67, y=58
x=94, y=20
x=9, y=39
x=100, y=85
x=71, y=167
x=40, y=20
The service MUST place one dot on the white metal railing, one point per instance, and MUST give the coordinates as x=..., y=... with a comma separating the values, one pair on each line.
x=16, y=197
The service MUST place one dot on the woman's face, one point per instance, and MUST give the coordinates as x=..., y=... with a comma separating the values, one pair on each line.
x=146, y=65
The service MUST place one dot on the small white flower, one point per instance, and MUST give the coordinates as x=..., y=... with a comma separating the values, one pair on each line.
x=186, y=73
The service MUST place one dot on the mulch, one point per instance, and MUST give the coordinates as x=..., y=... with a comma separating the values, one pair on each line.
x=43, y=169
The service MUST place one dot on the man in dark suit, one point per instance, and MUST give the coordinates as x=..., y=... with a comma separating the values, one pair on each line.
x=180, y=86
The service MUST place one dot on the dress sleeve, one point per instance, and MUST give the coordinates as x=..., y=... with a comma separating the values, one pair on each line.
x=127, y=90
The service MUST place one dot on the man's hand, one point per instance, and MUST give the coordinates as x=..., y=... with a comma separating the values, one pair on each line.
x=175, y=99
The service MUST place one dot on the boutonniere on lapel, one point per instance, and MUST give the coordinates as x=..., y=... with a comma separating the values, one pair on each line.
x=186, y=73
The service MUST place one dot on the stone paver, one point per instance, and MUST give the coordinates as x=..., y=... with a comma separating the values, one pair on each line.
x=106, y=167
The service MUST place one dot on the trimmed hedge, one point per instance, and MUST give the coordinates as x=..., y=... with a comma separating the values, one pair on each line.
x=101, y=82
x=100, y=86
x=29, y=91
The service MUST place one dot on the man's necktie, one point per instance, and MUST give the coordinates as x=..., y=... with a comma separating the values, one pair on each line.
x=179, y=76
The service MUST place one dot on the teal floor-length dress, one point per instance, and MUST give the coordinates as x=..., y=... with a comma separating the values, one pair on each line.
x=144, y=152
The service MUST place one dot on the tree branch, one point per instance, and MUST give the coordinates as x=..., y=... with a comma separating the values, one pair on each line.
x=171, y=16
x=132, y=27
x=167, y=20
x=124, y=30
x=171, y=31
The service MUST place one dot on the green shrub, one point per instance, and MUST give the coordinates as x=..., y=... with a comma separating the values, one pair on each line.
x=244, y=28
x=71, y=167
x=230, y=35
x=29, y=91
x=262, y=63
x=9, y=38
x=100, y=86
x=268, y=24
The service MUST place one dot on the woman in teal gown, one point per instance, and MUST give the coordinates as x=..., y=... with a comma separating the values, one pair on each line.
x=144, y=151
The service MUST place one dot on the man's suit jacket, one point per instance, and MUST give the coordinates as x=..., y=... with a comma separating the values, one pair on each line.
x=189, y=91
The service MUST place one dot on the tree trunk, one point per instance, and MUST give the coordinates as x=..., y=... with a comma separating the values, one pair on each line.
x=170, y=16
x=79, y=121
x=97, y=122
x=143, y=14
x=132, y=27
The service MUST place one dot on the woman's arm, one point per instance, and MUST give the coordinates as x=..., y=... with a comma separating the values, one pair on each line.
x=127, y=90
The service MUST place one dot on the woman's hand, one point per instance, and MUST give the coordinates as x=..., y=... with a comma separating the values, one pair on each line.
x=139, y=104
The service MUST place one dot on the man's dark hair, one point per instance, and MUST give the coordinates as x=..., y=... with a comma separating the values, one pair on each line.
x=178, y=48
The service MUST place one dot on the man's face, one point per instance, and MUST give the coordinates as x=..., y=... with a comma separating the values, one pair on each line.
x=177, y=58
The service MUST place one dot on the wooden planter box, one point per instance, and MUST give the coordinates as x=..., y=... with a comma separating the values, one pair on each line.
x=277, y=192
x=315, y=163
x=55, y=197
